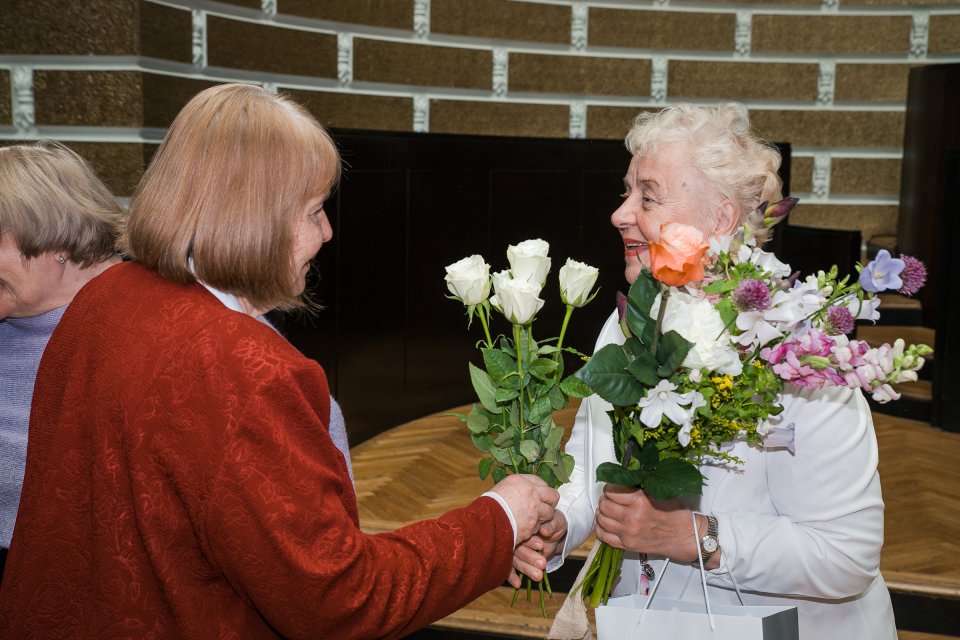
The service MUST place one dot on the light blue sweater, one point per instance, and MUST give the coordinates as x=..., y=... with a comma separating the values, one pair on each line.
x=22, y=341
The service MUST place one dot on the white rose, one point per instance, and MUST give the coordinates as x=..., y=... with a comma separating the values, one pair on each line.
x=697, y=321
x=529, y=261
x=519, y=300
x=469, y=280
x=576, y=282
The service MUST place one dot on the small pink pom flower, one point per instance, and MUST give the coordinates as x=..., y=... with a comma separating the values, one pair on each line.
x=914, y=275
x=839, y=321
x=751, y=295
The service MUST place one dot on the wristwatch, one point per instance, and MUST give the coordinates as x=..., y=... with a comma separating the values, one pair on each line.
x=709, y=543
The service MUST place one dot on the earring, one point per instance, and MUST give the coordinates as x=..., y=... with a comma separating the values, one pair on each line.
x=62, y=259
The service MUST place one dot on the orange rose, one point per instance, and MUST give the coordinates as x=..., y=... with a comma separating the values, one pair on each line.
x=678, y=258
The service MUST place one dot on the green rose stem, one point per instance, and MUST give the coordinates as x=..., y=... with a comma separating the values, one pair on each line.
x=482, y=311
x=516, y=344
x=563, y=331
x=605, y=568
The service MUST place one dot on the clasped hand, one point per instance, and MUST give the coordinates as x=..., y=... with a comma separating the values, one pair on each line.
x=627, y=518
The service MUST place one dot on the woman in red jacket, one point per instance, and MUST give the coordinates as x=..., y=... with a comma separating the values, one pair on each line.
x=181, y=481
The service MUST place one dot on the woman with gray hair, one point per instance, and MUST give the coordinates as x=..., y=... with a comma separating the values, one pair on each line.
x=800, y=527
x=58, y=225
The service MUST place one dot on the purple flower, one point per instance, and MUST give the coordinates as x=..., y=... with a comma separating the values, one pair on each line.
x=914, y=275
x=882, y=273
x=779, y=209
x=839, y=321
x=751, y=295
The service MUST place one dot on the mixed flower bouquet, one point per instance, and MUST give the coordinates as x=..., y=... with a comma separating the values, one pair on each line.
x=713, y=331
x=522, y=381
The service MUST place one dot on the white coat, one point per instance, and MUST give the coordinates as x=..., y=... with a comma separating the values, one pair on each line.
x=800, y=529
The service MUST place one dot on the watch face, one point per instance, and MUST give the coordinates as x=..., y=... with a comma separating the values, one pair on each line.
x=709, y=544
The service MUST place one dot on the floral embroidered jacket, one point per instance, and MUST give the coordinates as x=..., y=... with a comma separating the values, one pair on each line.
x=181, y=483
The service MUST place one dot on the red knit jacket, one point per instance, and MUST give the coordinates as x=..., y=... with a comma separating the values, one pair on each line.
x=181, y=483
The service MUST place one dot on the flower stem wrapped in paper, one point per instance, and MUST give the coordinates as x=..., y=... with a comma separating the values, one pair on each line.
x=713, y=331
x=522, y=381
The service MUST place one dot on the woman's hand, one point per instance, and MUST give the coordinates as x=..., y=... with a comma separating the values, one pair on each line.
x=530, y=557
x=629, y=519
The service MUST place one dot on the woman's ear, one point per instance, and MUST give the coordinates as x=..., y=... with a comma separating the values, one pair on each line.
x=727, y=218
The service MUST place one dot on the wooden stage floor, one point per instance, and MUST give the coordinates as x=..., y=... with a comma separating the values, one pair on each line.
x=426, y=467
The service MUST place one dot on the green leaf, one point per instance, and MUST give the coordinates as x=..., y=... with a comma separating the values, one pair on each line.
x=505, y=439
x=499, y=364
x=541, y=409
x=649, y=457
x=499, y=473
x=501, y=455
x=606, y=374
x=673, y=478
x=477, y=422
x=506, y=394
x=483, y=442
x=615, y=474
x=546, y=473
x=644, y=369
x=671, y=352
x=720, y=286
x=728, y=312
x=530, y=450
x=543, y=369
x=552, y=441
x=484, y=467
x=557, y=400
x=485, y=388
x=574, y=387
x=565, y=468
x=640, y=298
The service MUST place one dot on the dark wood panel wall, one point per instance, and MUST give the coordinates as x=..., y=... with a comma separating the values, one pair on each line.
x=394, y=347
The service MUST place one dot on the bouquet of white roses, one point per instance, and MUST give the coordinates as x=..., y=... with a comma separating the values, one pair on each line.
x=522, y=381
x=713, y=330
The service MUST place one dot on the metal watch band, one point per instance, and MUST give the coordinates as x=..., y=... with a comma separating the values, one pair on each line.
x=712, y=531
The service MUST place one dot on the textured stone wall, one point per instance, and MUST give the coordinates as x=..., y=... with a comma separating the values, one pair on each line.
x=829, y=76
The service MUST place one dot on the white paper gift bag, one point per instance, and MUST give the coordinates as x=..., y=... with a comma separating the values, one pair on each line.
x=624, y=618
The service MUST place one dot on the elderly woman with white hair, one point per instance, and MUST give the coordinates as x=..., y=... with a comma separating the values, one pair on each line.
x=797, y=528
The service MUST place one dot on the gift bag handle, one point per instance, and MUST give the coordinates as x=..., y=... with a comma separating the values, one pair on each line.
x=703, y=581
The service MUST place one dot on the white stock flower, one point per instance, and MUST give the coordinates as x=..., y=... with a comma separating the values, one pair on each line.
x=765, y=260
x=519, y=300
x=469, y=279
x=699, y=322
x=663, y=400
x=529, y=261
x=576, y=282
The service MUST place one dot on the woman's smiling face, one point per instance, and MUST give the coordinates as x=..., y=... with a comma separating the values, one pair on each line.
x=664, y=186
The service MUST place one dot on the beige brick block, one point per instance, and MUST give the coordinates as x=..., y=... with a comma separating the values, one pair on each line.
x=944, y=36
x=871, y=220
x=119, y=165
x=867, y=82
x=395, y=14
x=638, y=28
x=579, y=75
x=88, y=98
x=502, y=20
x=356, y=111
x=92, y=27
x=611, y=123
x=166, y=32
x=743, y=80
x=865, y=176
x=164, y=96
x=801, y=175
x=900, y=3
x=250, y=4
x=499, y=118
x=6, y=113
x=831, y=34
x=256, y=47
x=415, y=64
x=866, y=129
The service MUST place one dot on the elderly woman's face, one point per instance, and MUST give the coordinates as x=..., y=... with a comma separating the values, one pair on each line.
x=313, y=229
x=28, y=287
x=664, y=187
